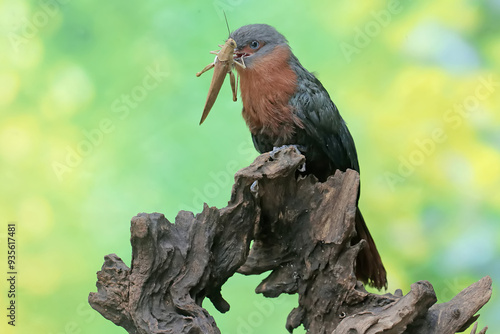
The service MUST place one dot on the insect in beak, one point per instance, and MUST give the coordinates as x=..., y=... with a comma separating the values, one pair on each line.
x=223, y=64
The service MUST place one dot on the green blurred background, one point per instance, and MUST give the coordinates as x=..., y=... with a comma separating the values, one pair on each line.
x=99, y=121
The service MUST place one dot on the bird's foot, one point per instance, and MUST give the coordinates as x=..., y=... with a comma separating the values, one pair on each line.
x=298, y=149
x=254, y=188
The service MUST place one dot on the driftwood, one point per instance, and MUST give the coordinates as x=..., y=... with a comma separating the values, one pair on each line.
x=302, y=231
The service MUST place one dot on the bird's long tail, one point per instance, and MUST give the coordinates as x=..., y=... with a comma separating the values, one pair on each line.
x=369, y=267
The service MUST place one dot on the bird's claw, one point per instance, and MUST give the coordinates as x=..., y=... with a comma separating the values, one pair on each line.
x=275, y=150
x=254, y=188
x=298, y=148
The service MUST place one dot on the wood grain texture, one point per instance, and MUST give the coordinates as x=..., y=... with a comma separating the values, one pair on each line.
x=302, y=232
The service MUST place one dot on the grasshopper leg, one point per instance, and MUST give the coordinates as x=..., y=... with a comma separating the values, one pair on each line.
x=237, y=79
x=208, y=67
x=242, y=64
x=232, y=80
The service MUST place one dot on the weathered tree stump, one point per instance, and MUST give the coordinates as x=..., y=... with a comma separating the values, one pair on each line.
x=302, y=231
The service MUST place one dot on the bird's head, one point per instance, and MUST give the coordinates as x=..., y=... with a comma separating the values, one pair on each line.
x=256, y=40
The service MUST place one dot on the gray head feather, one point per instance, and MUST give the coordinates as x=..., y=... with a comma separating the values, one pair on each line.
x=263, y=33
x=257, y=32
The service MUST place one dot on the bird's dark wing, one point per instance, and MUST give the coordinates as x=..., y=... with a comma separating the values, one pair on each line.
x=322, y=121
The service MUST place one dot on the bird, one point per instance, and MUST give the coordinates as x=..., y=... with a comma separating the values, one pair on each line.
x=285, y=104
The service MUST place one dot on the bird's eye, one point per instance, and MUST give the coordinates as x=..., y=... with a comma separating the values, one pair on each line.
x=254, y=45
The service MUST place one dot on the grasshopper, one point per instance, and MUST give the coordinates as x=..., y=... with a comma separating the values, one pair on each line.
x=222, y=65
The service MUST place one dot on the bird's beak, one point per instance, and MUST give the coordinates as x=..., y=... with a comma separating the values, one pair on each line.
x=239, y=56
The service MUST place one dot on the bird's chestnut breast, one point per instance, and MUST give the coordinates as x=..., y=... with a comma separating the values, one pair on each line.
x=266, y=87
